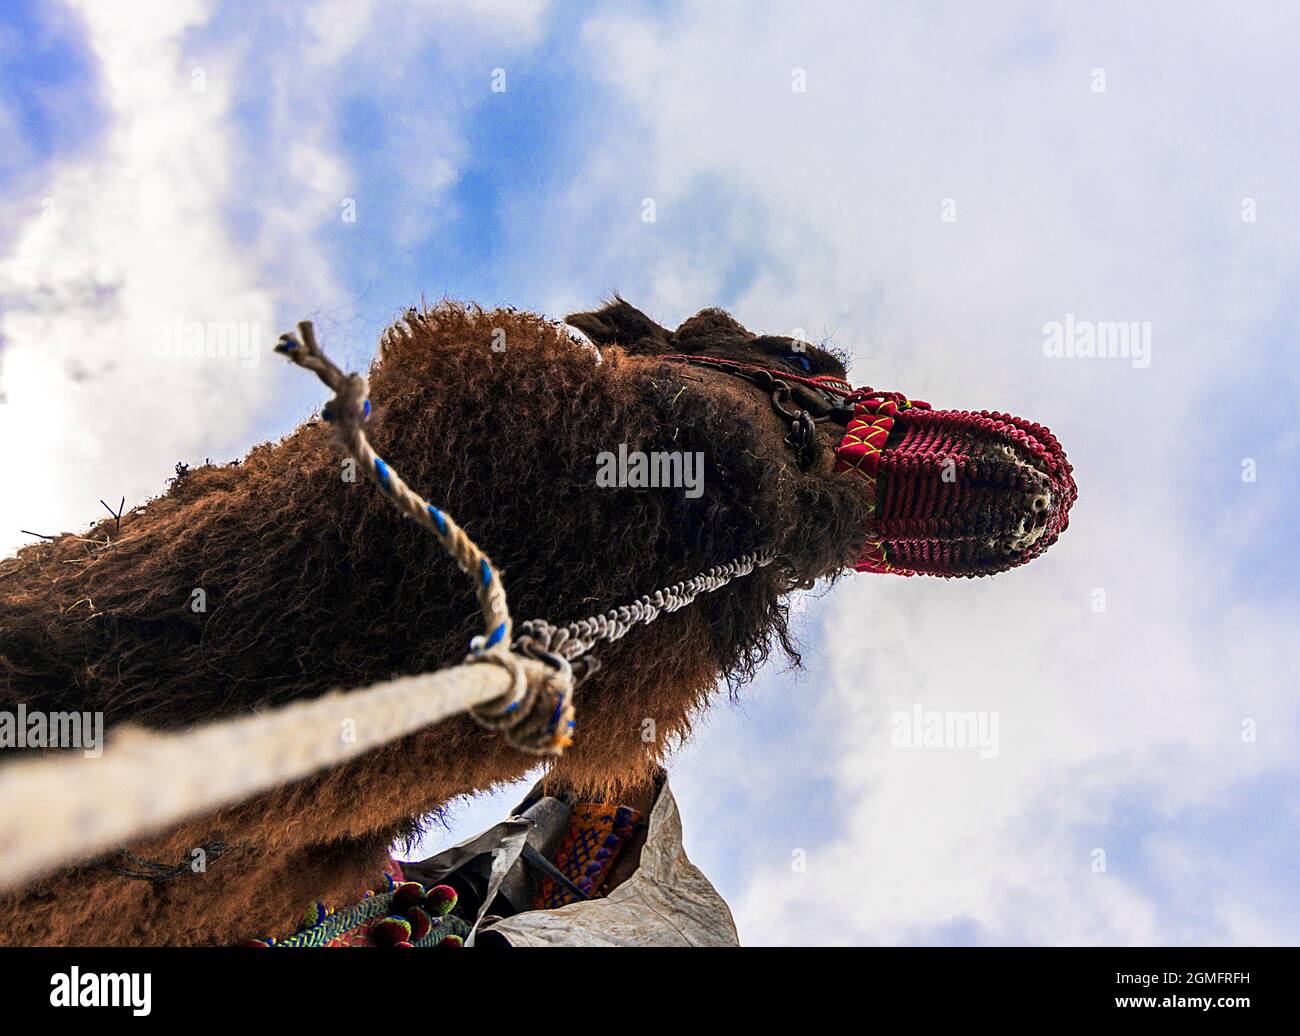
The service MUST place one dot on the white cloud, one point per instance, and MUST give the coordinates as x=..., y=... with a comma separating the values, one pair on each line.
x=131, y=237
x=1123, y=205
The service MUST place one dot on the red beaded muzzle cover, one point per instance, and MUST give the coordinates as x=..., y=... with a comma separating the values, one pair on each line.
x=956, y=493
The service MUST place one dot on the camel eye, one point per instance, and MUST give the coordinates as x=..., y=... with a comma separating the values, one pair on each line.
x=798, y=360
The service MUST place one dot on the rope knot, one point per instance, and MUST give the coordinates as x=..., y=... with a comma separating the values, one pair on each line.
x=350, y=407
x=536, y=714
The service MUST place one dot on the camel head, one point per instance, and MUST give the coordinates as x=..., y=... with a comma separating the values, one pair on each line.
x=953, y=493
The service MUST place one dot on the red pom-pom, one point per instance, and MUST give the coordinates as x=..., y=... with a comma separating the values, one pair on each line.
x=451, y=942
x=259, y=943
x=440, y=900
x=390, y=931
x=403, y=946
x=407, y=895
x=420, y=923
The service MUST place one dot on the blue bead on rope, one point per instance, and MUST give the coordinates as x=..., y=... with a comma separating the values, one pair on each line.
x=438, y=519
x=497, y=635
x=381, y=471
x=485, y=570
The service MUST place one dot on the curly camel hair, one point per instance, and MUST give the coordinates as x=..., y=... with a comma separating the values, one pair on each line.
x=314, y=583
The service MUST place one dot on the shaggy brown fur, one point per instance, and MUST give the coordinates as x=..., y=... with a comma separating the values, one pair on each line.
x=314, y=583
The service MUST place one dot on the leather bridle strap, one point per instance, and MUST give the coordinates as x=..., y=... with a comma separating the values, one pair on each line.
x=827, y=384
x=802, y=438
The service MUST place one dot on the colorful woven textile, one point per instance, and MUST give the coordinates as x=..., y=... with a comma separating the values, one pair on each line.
x=597, y=832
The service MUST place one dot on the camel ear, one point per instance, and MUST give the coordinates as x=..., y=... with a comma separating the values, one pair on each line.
x=619, y=323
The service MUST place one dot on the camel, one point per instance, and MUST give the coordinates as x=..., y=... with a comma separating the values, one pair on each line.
x=312, y=582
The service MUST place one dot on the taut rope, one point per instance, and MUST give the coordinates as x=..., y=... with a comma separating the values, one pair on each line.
x=577, y=638
x=68, y=808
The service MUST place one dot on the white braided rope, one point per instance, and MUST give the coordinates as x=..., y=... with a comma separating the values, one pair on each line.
x=70, y=808
x=577, y=638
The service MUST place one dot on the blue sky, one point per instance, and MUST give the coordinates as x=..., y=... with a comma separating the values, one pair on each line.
x=196, y=159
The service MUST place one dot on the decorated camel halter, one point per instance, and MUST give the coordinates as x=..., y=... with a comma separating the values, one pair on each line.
x=953, y=492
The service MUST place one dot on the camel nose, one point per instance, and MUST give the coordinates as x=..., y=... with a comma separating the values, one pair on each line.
x=964, y=493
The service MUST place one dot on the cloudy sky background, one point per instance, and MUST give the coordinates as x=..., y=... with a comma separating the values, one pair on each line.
x=193, y=160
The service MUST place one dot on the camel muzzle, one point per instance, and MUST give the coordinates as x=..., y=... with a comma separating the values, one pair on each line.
x=954, y=492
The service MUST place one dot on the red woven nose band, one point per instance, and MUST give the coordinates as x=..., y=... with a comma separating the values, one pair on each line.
x=955, y=493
